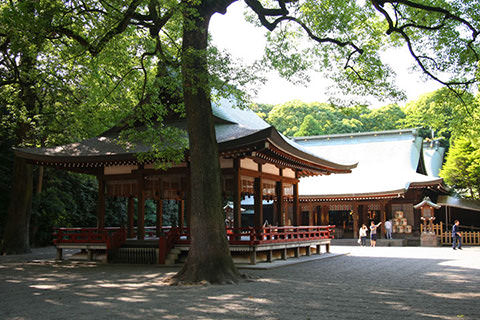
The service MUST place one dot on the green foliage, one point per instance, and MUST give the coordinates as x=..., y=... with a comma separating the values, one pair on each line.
x=296, y=118
x=441, y=111
x=462, y=166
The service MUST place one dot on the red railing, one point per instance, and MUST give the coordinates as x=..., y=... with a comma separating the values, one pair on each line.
x=167, y=242
x=115, y=237
x=111, y=237
x=252, y=236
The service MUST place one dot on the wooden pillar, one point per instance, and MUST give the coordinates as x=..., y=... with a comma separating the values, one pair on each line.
x=159, y=214
x=258, y=202
x=181, y=213
x=310, y=214
x=130, y=217
x=59, y=254
x=355, y=220
x=296, y=204
x=141, y=209
x=101, y=204
x=279, y=219
x=324, y=217
x=237, y=194
x=383, y=217
x=253, y=256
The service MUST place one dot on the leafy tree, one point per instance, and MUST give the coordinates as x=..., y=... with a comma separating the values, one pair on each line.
x=462, y=166
x=385, y=118
x=309, y=127
x=441, y=111
x=347, y=38
x=45, y=84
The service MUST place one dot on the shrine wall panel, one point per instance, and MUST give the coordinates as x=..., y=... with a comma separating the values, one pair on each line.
x=289, y=173
x=248, y=163
x=119, y=169
x=270, y=168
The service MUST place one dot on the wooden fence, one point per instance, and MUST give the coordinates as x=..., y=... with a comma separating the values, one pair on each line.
x=468, y=237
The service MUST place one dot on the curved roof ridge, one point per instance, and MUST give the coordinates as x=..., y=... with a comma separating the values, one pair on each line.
x=413, y=131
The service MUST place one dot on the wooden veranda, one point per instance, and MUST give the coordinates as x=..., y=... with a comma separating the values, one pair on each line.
x=268, y=243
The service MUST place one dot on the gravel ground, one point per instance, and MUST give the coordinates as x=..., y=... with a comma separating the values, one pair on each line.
x=368, y=283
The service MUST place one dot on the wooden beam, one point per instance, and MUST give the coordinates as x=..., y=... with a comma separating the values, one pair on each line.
x=237, y=198
x=355, y=219
x=181, y=213
x=130, y=217
x=159, y=214
x=258, y=202
x=296, y=204
x=279, y=217
x=101, y=204
x=383, y=217
x=141, y=209
x=269, y=176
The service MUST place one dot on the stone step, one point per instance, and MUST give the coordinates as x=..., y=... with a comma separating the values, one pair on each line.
x=135, y=255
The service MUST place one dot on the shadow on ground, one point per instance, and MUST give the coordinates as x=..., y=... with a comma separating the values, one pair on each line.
x=345, y=287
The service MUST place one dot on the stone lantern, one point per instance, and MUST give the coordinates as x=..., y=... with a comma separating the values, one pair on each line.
x=428, y=237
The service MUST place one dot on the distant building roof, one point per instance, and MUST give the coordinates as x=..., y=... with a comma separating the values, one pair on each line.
x=389, y=163
x=450, y=201
x=235, y=128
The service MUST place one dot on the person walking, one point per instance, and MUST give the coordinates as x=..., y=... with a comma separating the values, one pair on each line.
x=373, y=233
x=388, y=229
x=456, y=236
x=362, y=233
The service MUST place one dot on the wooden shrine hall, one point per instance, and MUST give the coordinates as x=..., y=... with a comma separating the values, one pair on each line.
x=255, y=159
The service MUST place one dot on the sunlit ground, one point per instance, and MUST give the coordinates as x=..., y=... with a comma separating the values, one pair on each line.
x=367, y=283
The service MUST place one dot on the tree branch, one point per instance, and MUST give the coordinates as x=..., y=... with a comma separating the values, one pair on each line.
x=394, y=27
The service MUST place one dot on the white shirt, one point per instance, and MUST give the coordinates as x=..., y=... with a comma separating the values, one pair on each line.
x=363, y=232
x=388, y=225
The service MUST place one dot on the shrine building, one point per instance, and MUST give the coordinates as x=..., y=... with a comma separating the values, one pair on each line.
x=256, y=161
x=395, y=171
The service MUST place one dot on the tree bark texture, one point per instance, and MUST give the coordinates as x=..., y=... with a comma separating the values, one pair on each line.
x=16, y=236
x=209, y=257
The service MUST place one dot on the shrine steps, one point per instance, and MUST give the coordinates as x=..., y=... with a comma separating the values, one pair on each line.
x=135, y=255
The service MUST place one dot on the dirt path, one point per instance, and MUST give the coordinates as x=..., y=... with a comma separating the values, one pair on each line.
x=369, y=283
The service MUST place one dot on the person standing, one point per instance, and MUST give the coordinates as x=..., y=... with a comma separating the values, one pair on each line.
x=456, y=236
x=388, y=229
x=362, y=233
x=373, y=233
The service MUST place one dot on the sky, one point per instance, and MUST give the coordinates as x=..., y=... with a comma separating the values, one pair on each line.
x=247, y=42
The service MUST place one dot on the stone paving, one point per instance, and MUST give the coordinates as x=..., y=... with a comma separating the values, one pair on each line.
x=367, y=283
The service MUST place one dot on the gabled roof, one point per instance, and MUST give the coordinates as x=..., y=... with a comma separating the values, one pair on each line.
x=433, y=155
x=238, y=132
x=427, y=202
x=389, y=163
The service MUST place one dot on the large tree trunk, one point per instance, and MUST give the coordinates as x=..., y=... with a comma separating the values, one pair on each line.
x=209, y=257
x=16, y=236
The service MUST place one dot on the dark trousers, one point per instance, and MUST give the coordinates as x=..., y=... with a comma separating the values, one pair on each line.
x=456, y=239
x=364, y=241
